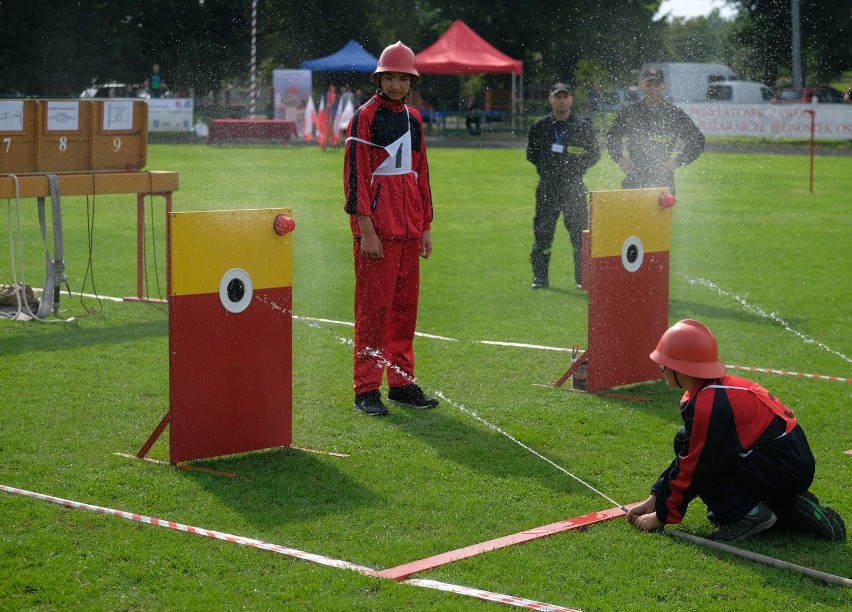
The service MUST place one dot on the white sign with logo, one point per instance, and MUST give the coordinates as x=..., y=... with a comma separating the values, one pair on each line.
x=170, y=114
x=63, y=116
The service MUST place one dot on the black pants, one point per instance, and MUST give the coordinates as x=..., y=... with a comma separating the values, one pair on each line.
x=648, y=178
x=551, y=199
x=773, y=473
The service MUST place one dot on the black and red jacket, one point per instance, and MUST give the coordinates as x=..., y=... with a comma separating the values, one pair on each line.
x=724, y=420
x=400, y=205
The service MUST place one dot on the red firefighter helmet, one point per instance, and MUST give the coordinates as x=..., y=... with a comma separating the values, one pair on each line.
x=397, y=58
x=689, y=348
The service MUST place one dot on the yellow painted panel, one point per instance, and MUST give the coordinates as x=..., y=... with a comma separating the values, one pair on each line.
x=616, y=215
x=205, y=245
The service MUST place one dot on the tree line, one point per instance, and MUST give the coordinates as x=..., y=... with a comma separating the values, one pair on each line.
x=59, y=47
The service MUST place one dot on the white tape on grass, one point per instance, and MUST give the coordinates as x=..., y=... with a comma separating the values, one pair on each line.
x=315, y=321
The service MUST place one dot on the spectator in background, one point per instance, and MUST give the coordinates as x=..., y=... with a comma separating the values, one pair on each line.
x=426, y=112
x=360, y=98
x=472, y=120
x=156, y=85
x=847, y=97
x=594, y=97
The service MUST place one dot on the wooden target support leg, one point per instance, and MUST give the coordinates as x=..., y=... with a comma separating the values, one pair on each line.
x=140, y=246
x=584, y=358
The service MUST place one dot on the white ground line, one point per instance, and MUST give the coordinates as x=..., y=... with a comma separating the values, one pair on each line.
x=560, y=349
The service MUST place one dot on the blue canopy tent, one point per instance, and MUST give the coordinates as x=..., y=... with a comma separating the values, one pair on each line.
x=351, y=58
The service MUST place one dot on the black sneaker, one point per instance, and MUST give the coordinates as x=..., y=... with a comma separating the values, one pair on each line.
x=540, y=283
x=811, y=516
x=760, y=518
x=411, y=395
x=370, y=403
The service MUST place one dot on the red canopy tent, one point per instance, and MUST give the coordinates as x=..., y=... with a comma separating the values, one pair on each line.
x=460, y=50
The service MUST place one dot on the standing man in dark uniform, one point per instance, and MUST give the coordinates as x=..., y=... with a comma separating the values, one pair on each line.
x=652, y=137
x=562, y=148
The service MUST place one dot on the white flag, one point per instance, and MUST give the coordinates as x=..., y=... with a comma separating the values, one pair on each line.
x=341, y=121
x=310, y=120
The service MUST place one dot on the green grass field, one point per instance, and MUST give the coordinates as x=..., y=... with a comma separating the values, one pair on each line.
x=756, y=257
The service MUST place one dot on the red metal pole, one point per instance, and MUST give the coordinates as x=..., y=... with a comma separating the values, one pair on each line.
x=140, y=243
x=813, y=129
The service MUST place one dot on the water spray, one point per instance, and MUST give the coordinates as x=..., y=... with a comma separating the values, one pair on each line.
x=382, y=362
x=524, y=446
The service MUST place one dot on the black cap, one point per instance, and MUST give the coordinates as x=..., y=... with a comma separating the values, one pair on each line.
x=557, y=87
x=652, y=74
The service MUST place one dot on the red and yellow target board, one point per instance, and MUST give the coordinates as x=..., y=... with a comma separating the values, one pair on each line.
x=627, y=277
x=230, y=332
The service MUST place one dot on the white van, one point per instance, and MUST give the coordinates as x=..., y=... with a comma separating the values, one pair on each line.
x=688, y=82
x=739, y=92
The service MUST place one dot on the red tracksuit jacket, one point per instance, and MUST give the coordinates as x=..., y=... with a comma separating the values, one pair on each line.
x=400, y=205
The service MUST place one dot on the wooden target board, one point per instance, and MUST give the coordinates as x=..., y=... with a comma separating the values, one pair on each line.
x=628, y=285
x=55, y=136
x=230, y=333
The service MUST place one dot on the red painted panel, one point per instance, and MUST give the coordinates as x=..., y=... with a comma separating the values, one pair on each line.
x=628, y=312
x=230, y=374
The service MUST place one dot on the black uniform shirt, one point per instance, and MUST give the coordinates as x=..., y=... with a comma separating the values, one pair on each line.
x=579, y=148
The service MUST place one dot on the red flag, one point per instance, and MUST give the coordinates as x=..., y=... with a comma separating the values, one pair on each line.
x=332, y=98
x=322, y=132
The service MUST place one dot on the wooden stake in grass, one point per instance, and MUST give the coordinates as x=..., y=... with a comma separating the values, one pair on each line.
x=753, y=556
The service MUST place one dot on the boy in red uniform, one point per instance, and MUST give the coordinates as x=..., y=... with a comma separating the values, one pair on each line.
x=386, y=184
x=740, y=450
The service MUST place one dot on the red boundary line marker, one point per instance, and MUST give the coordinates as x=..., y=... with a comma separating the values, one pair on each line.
x=402, y=572
x=509, y=600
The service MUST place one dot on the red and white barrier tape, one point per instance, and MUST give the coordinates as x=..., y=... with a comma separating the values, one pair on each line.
x=218, y=535
x=529, y=604
x=290, y=552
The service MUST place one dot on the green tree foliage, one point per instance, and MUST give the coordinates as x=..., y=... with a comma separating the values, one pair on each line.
x=764, y=29
x=50, y=47
x=700, y=39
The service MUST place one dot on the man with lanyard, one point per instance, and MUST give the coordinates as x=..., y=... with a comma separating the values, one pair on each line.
x=389, y=202
x=740, y=450
x=657, y=136
x=562, y=148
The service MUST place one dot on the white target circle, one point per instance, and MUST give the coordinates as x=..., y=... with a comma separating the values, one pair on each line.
x=235, y=290
x=632, y=254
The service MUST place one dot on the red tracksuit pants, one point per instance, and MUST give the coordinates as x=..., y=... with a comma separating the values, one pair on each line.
x=386, y=293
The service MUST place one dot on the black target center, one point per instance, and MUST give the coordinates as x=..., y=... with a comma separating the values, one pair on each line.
x=632, y=253
x=236, y=290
